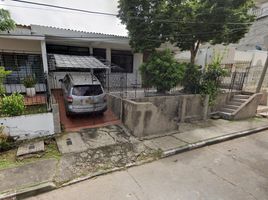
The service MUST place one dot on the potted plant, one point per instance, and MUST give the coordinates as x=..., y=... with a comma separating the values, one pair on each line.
x=29, y=83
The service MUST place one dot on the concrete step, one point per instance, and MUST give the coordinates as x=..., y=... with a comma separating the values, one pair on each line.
x=235, y=107
x=227, y=110
x=235, y=103
x=241, y=96
x=227, y=116
x=239, y=100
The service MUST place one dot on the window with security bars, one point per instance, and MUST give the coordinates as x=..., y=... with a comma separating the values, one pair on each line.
x=22, y=65
x=123, y=59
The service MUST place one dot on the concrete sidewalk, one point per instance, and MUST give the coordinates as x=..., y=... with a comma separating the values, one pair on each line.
x=204, y=133
x=96, y=157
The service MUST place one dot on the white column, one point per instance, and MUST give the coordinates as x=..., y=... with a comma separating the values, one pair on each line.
x=108, y=54
x=44, y=56
x=91, y=50
x=137, y=62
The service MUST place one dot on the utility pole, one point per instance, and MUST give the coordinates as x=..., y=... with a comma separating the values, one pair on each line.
x=262, y=76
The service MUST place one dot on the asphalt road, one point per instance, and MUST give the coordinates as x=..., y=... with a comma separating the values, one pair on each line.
x=232, y=170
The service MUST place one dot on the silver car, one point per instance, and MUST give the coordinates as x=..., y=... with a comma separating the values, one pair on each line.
x=83, y=93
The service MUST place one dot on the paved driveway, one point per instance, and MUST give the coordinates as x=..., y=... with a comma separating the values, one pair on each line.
x=234, y=170
x=78, y=122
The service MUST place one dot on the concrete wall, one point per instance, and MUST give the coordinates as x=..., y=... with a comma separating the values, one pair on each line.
x=56, y=117
x=249, y=109
x=115, y=104
x=144, y=119
x=28, y=126
x=161, y=114
x=18, y=45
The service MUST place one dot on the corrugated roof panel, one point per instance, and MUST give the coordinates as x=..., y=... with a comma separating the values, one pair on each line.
x=77, y=62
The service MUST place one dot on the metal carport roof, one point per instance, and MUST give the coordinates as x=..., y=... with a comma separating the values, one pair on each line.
x=58, y=61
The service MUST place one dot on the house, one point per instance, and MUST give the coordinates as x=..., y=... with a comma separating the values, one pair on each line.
x=38, y=50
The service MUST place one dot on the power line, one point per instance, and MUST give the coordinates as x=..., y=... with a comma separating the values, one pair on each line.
x=38, y=8
x=65, y=8
x=115, y=15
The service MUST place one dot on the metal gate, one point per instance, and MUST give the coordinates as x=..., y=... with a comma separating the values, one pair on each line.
x=237, y=74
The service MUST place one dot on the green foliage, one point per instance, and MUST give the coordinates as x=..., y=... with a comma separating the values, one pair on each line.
x=29, y=81
x=185, y=23
x=211, y=80
x=162, y=71
x=3, y=74
x=6, y=23
x=206, y=82
x=192, y=79
x=12, y=105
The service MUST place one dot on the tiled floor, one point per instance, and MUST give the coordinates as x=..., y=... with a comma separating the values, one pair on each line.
x=79, y=122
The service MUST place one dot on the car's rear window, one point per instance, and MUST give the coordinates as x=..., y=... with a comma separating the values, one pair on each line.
x=87, y=90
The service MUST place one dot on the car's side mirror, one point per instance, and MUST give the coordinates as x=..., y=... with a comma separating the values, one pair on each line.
x=61, y=80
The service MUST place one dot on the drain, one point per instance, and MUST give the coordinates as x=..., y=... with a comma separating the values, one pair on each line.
x=69, y=141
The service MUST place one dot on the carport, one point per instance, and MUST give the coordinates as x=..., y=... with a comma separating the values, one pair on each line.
x=59, y=66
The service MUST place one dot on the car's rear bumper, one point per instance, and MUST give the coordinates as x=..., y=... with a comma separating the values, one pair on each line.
x=95, y=109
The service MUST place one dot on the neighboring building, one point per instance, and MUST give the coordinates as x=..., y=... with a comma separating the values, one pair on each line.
x=30, y=50
x=258, y=33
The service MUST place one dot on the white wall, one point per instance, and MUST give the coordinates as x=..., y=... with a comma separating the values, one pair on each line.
x=28, y=126
x=17, y=45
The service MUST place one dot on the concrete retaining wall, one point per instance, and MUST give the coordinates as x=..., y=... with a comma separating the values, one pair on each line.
x=28, y=126
x=115, y=104
x=146, y=119
x=162, y=114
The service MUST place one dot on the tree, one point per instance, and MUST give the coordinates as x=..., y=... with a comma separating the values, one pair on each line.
x=162, y=71
x=185, y=23
x=6, y=23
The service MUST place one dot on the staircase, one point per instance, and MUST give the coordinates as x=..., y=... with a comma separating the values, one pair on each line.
x=234, y=105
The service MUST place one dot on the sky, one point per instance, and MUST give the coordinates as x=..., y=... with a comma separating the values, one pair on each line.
x=31, y=14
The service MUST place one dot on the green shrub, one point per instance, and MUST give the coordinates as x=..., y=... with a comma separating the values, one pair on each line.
x=192, y=79
x=206, y=82
x=211, y=80
x=29, y=81
x=162, y=71
x=3, y=74
x=12, y=105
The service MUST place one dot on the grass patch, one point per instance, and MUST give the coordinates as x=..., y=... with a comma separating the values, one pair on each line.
x=8, y=159
x=35, y=109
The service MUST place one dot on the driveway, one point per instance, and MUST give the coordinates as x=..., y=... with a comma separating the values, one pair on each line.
x=76, y=123
x=235, y=169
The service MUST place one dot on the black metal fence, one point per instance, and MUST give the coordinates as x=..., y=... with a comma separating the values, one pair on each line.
x=236, y=76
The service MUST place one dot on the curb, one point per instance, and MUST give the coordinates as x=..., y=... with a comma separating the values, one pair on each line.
x=29, y=191
x=48, y=186
x=212, y=141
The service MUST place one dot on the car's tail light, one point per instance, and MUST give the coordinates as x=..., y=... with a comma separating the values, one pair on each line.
x=70, y=99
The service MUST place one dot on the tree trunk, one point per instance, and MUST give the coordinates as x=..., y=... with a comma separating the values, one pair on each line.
x=192, y=57
x=194, y=50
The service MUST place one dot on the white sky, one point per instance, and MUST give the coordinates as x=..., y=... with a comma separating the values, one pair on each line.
x=30, y=14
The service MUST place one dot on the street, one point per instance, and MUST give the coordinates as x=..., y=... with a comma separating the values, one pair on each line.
x=231, y=170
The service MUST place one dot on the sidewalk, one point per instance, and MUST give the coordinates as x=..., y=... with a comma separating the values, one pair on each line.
x=199, y=134
x=94, y=152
